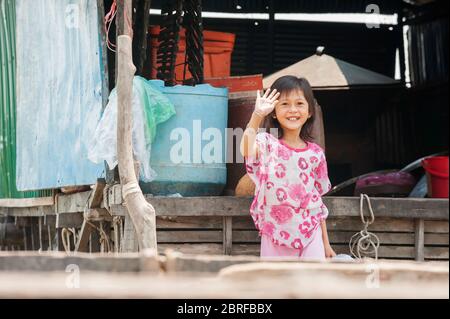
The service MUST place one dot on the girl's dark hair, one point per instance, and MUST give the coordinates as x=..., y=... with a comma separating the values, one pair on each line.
x=286, y=84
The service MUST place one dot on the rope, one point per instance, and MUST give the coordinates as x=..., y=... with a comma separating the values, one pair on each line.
x=106, y=197
x=365, y=243
x=105, y=244
x=65, y=238
x=108, y=20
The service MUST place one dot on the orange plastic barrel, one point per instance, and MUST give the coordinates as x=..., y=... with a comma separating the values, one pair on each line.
x=217, y=47
x=437, y=176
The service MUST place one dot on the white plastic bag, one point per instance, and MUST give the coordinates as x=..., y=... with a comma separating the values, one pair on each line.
x=104, y=142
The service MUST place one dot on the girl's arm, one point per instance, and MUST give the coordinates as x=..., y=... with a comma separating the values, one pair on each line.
x=248, y=146
x=329, y=252
x=264, y=106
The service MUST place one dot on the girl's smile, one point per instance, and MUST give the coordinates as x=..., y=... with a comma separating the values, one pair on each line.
x=292, y=110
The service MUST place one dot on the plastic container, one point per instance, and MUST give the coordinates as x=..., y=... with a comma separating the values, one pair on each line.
x=437, y=176
x=217, y=47
x=238, y=83
x=200, y=111
x=241, y=103
x=398, y=184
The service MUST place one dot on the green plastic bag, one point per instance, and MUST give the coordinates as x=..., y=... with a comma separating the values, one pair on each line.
x=157, y=107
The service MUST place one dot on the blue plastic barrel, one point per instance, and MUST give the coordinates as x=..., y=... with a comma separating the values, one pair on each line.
x=201, y=115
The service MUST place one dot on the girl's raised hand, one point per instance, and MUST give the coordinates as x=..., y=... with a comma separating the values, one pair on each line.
x=266, y=103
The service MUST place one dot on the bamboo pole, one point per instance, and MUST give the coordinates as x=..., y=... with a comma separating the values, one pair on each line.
x=141, y=212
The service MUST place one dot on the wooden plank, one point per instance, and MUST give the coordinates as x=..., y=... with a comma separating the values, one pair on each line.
x=344, y=224
x=246, y=236
x=173, y=222
x=425, y=208
x=190, y=236
x=97, y=214
x=380, y=224
x=28, y=211
x=354, y=224
x=436, y=226
x=72, y=203
x=385, y=238
x=436, y=253
x=395, y=252
x=96, y=195
x=31, y=261
x=243, y=223
x=419, y=239
x=389, y=252
x=176, y=263
x=201, y=206
x=227, y=235
x=207, y=249
x=436, y=239
x=246, y=250
x=69, y=220
x=343, y=237
x=275, y=280
x=115, y=195
x=27, y=202
x=406, y=208
x=83, y=241
x=252, y=236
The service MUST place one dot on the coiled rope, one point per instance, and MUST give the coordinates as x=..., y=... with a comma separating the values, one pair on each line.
x=365, y=243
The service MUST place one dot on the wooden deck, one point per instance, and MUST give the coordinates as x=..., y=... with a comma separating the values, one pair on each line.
x=415, y=229
x=50, y=275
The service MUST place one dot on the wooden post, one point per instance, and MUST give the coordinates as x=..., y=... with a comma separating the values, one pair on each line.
x=130, y=243
x=227, y=235
x=419, y=239
x=141, y=212
x=94, y=201
x=85, y=234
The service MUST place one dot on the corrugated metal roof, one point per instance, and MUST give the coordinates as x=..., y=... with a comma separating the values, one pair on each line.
x=295, y=6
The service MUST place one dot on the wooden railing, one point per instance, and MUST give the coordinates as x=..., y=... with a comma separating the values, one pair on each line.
x=408, y=228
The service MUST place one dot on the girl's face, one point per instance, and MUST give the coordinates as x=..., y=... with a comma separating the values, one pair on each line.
x=292, y=110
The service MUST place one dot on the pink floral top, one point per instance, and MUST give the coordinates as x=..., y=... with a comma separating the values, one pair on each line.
x=289, y=184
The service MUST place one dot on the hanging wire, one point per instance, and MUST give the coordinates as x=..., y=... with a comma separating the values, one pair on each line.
x=108, y=20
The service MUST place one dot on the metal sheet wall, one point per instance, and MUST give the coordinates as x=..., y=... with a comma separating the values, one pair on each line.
x=373, y=49
x=59, y=96
x=8, y=104
x=428, y=52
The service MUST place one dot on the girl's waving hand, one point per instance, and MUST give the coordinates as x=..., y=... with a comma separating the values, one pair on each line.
x=266, y=103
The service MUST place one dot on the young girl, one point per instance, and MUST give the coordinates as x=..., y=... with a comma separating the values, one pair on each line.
x=289, y=171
